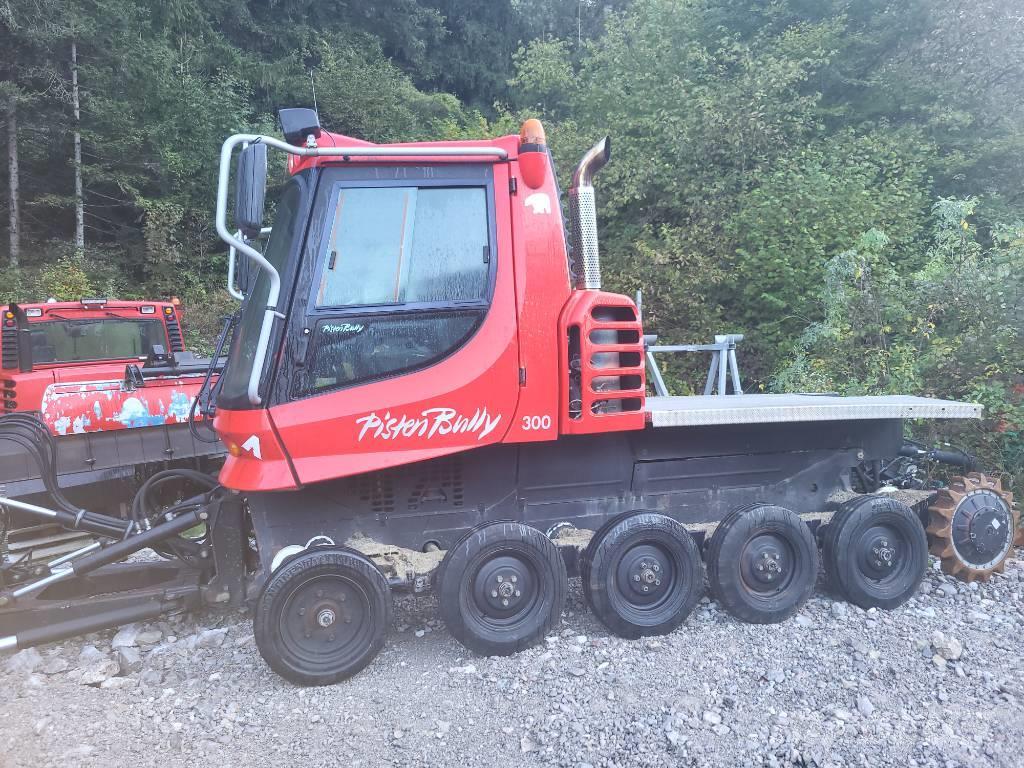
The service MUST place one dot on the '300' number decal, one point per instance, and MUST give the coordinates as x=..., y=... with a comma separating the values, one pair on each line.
x=531, y=423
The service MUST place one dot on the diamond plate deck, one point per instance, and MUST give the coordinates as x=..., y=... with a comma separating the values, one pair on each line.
x=703, y=410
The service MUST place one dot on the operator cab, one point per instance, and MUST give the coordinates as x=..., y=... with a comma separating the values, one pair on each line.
x=408, y=304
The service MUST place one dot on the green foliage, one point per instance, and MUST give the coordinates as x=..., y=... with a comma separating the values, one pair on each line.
x=804, y=209
x=64, y=280
x=952, y=328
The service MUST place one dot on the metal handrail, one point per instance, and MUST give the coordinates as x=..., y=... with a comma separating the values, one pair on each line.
x=270, y=313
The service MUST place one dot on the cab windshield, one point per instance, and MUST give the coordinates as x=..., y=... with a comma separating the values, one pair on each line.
x=76, y=341
x=235, y=380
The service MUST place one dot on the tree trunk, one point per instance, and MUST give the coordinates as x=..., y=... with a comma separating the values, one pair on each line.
x=14, y=222
x=79, y=201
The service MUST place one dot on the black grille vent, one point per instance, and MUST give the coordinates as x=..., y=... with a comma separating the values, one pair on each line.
x=377, y=490
x=441, y=482
x=9, y=347
x=174, y=334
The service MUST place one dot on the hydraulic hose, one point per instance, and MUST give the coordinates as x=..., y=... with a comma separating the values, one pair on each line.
x=32, y=436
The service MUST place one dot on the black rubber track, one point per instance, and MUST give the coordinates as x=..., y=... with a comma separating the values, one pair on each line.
x=845, y=558
x=278, y=628
x=723, y=559
x=616, y=605
x=483, y=633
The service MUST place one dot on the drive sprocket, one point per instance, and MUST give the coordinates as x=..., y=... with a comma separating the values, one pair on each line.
x=973, y=527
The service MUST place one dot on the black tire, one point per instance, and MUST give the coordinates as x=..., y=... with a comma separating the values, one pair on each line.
x=439, y=571
x=583, y=563
x=643, y=576
x=875, y=552
x=324, y=584
x=478, y=577
x=762, y=563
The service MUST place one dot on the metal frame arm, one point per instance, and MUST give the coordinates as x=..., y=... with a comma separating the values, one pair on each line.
x=722, y=370
x=232, y=289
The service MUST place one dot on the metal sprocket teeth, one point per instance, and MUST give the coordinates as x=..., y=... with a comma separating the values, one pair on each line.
x=944, y=512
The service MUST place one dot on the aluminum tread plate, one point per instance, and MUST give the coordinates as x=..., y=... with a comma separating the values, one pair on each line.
x=702, y=410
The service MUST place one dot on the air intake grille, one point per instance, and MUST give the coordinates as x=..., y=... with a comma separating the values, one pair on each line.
x=174, y=334
x=377, y=491
x=441, y=481
x=9, y=347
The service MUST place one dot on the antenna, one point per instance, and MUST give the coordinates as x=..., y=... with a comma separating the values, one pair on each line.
x=312, y=84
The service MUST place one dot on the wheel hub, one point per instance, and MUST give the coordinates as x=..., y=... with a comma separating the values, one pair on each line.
x=324, y=615
x=643, y=574
x=883, y=555
x=766, y=563
x=503, y=586
x=881, y=550
x=981, y=528
x=987, y=531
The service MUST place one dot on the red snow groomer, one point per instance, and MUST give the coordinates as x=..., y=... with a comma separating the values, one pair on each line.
x=428, y=388
x=47, y=349
x=112, y=382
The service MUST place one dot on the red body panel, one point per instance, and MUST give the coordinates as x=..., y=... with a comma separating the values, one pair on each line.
x=256, y=460
x=542, y=288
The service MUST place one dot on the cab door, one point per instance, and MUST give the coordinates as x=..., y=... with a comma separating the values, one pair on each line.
x=402, y=340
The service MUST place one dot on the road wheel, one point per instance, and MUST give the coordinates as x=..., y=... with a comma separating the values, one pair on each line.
x=643, y=575
x=502, y=588
x=583, y=563
x=762, y=563
x=875, y=552
x=972, y=527
x=322, y=616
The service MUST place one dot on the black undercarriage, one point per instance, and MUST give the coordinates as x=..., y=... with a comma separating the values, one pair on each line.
x=695, y=475
x=760, y=475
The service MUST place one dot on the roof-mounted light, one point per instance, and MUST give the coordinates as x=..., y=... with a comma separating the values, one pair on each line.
x=94, y=303
x=533, y=153
x=33, y=312
x=298, y=124
x=147, y=309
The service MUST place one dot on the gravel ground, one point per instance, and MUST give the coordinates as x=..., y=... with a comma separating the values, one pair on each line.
x=939, y=682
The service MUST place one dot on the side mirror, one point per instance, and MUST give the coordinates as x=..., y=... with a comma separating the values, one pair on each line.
x=251, y=189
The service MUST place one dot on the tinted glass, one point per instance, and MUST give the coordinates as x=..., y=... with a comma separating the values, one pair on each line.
x=351, y=350
x=235, y=379
x=406, y=245
x=68, y=341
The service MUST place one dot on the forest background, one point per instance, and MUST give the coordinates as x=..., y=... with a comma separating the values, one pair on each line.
x=839, y=180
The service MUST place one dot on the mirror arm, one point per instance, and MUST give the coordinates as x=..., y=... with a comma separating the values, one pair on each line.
x=235, y=293
x=232, y=255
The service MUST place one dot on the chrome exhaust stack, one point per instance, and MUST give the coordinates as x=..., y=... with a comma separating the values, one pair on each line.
x=583, y=216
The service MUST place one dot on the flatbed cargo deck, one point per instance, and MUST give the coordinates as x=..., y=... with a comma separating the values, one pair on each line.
x=706, y=410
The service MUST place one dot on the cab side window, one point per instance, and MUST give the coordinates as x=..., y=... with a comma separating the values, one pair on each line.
x=402, y=283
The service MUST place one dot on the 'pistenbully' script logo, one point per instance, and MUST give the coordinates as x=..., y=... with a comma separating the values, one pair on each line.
x=431, y=422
